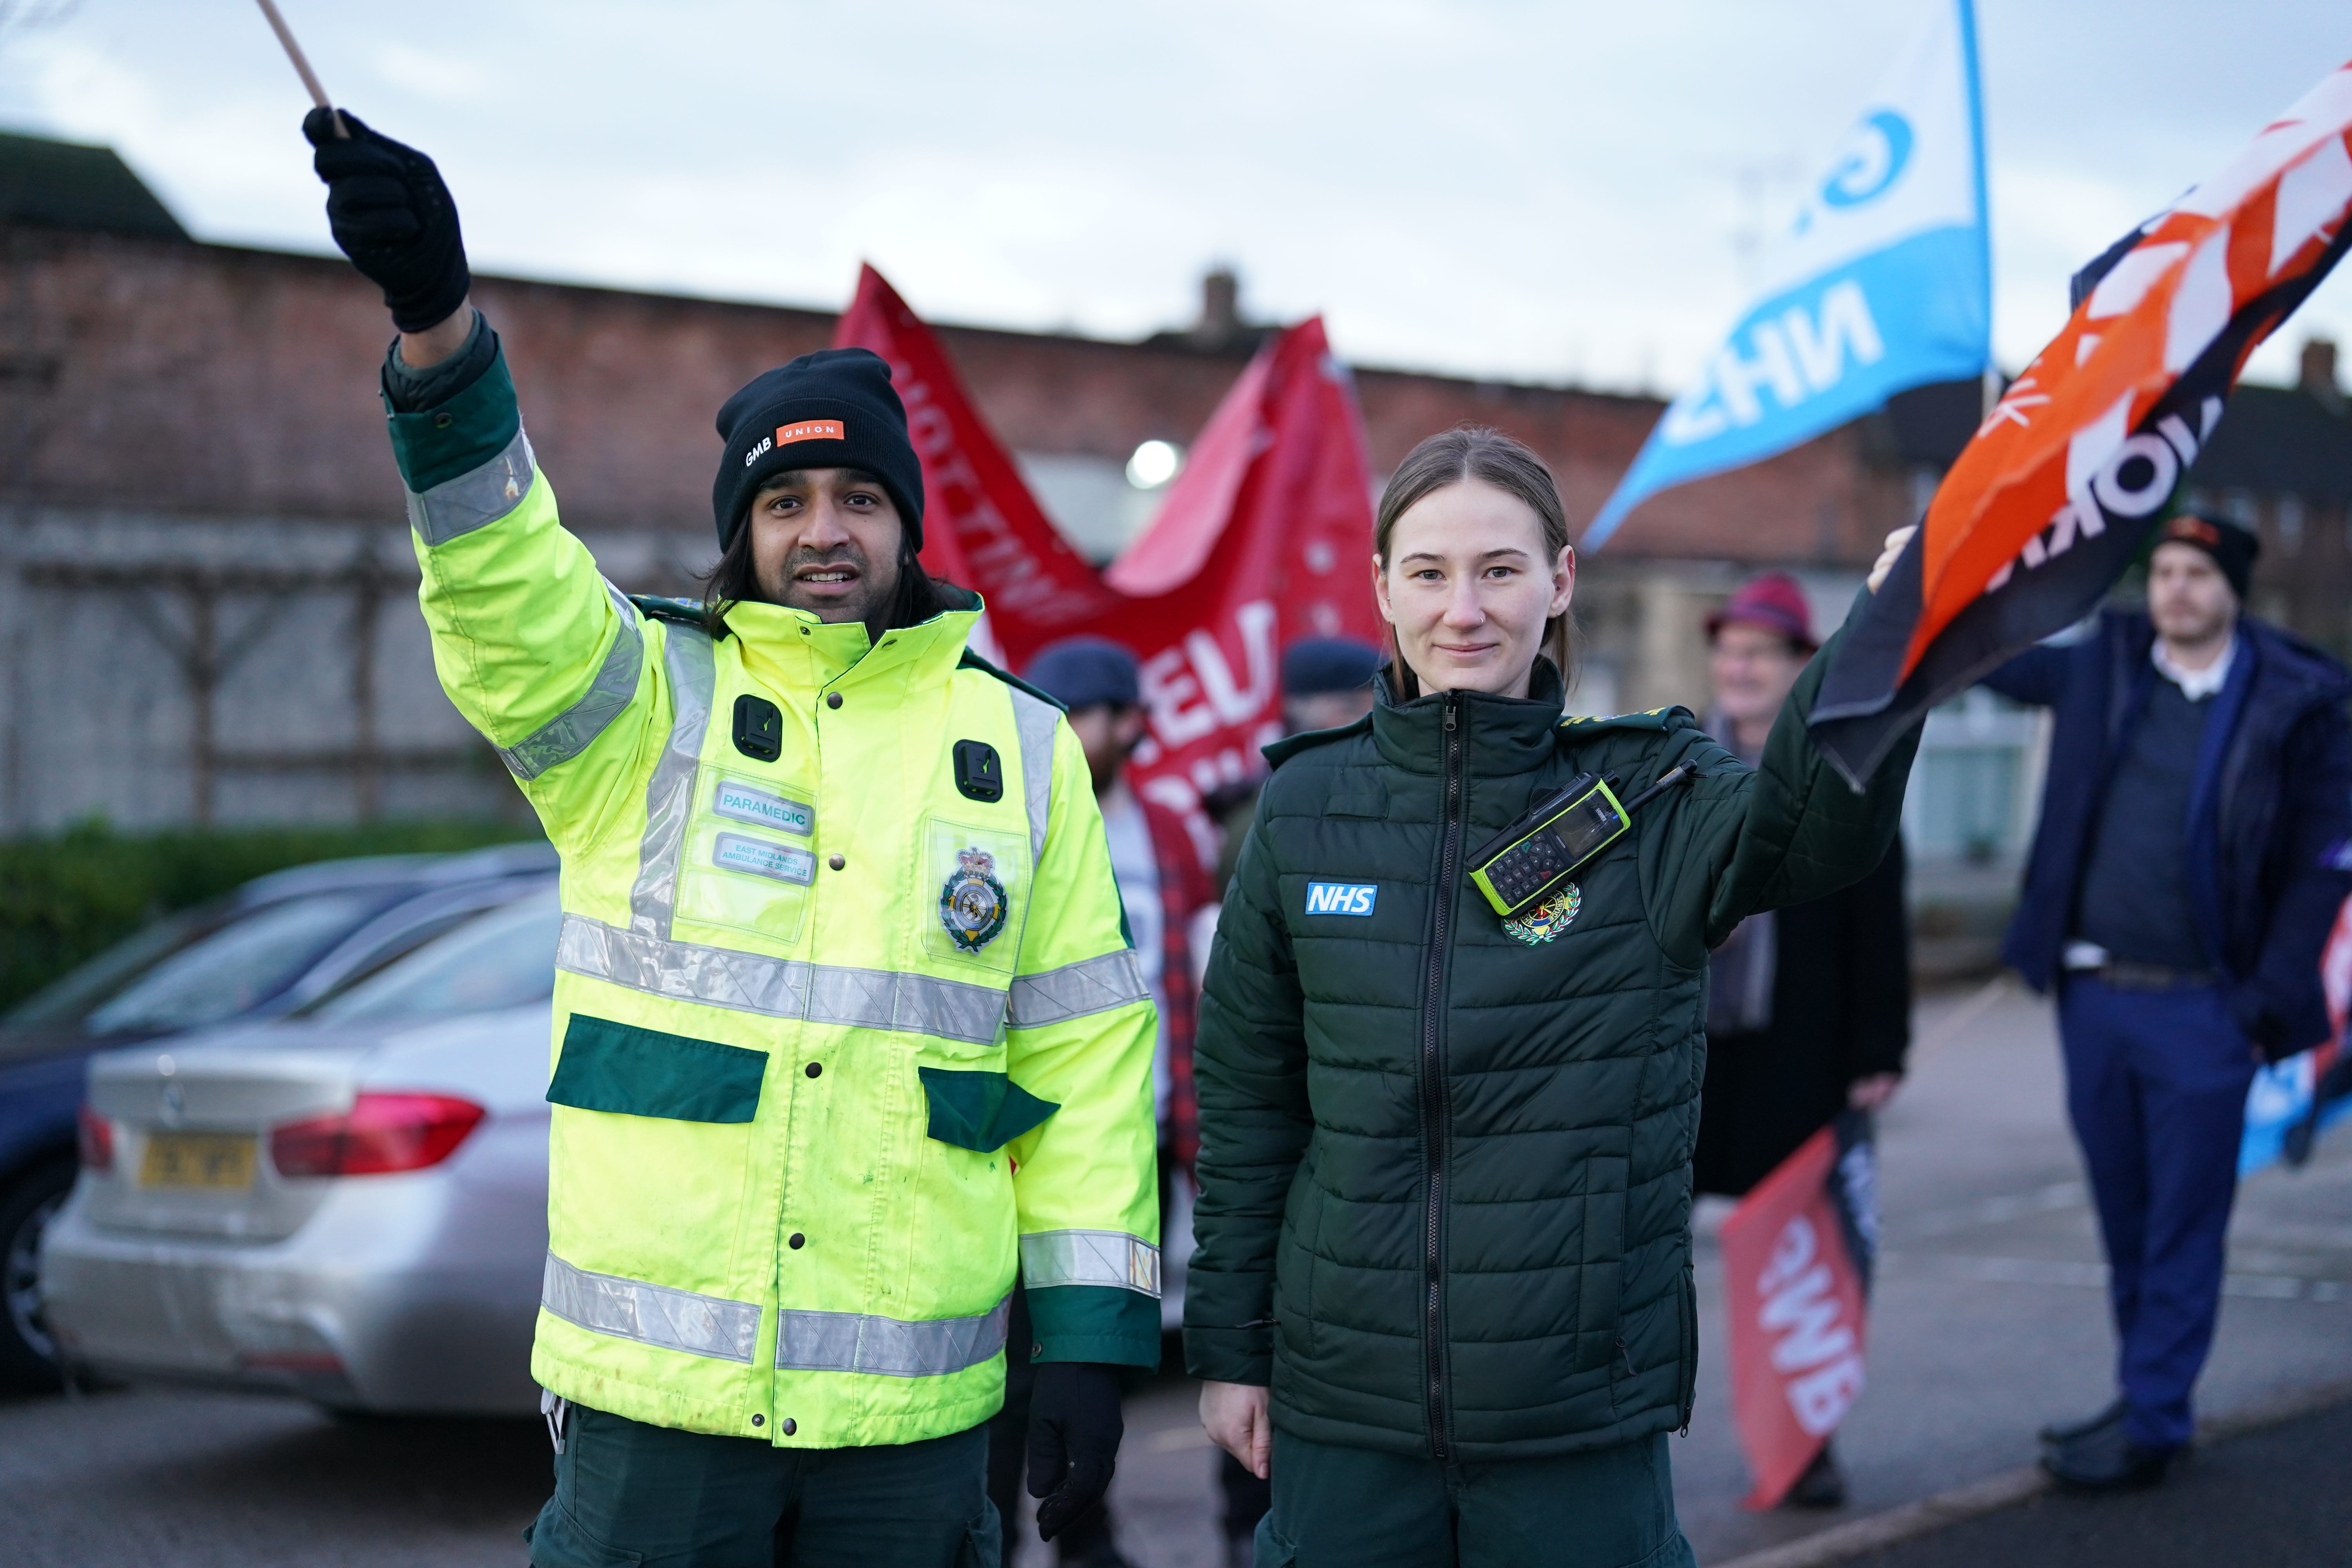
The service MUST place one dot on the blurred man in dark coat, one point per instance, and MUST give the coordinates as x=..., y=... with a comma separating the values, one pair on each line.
x=1808, y=1008
x=2191, y=860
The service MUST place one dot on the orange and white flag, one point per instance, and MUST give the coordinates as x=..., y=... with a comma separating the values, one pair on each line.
x=2057, y=491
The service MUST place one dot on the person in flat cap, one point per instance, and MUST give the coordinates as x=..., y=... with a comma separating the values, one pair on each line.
x=1809, y=1007
x=2189, y=865
x=846, y=1024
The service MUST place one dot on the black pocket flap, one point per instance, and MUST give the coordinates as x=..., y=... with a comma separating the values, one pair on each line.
x=980, y=1110
x=631, y=1071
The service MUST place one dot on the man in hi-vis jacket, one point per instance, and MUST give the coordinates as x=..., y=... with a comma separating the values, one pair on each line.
x=845, y=1023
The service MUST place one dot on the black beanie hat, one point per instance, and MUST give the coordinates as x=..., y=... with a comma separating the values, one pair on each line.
x=832, y=410
x=2231, y=545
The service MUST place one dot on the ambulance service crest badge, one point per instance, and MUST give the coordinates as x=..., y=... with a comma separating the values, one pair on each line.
x=973, y=905
x=1549, y=919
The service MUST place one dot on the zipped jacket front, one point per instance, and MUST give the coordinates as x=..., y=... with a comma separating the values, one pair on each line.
x=845, y=1025
x=1445, y=1160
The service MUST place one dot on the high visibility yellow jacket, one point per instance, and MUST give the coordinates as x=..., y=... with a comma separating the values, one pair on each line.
x=844, y=1026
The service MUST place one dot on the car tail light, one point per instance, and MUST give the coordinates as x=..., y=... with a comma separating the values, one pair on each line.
x=379, y=1135
x=95, y=1134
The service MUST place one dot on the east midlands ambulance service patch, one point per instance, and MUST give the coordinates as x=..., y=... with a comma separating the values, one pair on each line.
x=973, y=905
x=1549, y=919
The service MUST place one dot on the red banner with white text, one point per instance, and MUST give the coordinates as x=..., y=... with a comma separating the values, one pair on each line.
x=1264, y=537
x=1796, y=1276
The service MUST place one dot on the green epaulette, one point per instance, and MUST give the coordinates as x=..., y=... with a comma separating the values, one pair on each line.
x=971, y=660
x=1673, y=716
x=661, y=607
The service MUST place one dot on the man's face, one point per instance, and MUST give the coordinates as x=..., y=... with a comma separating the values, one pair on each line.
x=2188, y=597
x=1108, y=732
x=1753, y=669
x=826, y=541
x=1325, y=709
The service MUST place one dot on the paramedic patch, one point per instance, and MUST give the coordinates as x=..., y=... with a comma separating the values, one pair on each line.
x=737, y=852
x=1342, y=897
x=745, y=803
x=973, y=905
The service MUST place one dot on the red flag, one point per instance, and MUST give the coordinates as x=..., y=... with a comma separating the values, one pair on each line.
x=2052, y=499
x=1265, y=537
x=981, y=528
x=1796, y=1272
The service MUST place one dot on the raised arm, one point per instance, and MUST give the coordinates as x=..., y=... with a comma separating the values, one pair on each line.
x=548, y=660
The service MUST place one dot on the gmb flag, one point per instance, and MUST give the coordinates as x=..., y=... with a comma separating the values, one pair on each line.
x=2053, y=495
x=1883, y=282
x=1797, y=1257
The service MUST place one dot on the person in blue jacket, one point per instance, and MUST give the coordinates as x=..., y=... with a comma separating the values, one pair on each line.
x=2191, y=858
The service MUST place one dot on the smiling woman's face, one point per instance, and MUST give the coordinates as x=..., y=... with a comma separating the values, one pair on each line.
x=1468, y=586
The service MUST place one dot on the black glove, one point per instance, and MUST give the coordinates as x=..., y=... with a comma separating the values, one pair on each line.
x=394, y=218
x=1075, y=1427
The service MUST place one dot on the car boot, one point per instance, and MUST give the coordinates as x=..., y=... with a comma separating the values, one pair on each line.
x=2107, y=1460
x=2059, y=1433
x=1821, y=1486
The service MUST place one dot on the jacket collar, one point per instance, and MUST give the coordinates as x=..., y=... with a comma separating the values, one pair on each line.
x=799, y=655
x=1503, y=736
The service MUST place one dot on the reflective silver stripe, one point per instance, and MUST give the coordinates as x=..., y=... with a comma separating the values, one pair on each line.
x=888, y=1347
x=1075, y=990
x=669, y=793
x=567, y=734
x=780, y=987
x=476, y=499
x=651, y=1314
x=1035, y=719
x=1090, y=1257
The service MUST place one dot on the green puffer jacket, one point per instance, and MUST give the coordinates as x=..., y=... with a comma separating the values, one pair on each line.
x=1445, y=1172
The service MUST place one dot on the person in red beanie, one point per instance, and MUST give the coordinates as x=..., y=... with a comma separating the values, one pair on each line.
x=1808, y=1008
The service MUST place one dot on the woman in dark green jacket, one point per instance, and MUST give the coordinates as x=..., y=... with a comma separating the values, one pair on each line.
x=1442, y=1283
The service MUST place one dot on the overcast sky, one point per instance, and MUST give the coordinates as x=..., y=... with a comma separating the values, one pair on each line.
x=1555, y=190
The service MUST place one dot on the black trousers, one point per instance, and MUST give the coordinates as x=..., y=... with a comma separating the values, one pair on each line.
x=627, y=1492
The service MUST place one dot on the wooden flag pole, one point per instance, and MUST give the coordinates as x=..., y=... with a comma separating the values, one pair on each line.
x=301, y=65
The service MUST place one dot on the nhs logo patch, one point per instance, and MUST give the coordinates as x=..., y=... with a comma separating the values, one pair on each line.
x=1340, y=898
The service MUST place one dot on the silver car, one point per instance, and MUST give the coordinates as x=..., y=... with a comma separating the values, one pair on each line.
x=350, y=1204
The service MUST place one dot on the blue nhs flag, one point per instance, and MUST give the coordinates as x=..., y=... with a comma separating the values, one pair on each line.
x=1883, y=282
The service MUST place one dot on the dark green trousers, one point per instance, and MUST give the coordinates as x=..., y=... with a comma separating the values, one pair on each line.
x=1352, y=1508
x=629, y=1493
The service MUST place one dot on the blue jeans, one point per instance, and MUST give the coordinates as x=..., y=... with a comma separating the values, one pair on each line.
x=2156, y=1085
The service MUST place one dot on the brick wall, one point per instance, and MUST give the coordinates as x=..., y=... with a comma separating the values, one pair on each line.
x=215, y=381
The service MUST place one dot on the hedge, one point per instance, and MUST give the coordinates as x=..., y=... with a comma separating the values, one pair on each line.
x=67, y=898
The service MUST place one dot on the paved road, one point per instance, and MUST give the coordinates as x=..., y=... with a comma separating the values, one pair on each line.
x=1987, y=1318
x=2275, y=1498
x=1990, y=1315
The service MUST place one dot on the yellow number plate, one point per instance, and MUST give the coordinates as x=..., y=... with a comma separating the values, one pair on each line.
x=197, y=1160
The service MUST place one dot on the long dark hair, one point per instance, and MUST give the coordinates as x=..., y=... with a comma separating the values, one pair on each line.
x=1478, y=452
x=733, y=581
